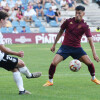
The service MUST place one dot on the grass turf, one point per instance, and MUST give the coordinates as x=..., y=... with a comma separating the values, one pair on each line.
x=68, y=85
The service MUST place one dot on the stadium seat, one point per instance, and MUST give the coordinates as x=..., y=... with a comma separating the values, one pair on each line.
x=19, y=29
x=15, y=23
x=34, y=17
x=38, y=23
x=28, y=29
x=25, y=6
x=22, y=23
x=58, y=2
x=53, y=23
x=3, y=30
x=45, y=10
x=47, y=5
x=10, y=30
x=42, y=29
x=23, y=1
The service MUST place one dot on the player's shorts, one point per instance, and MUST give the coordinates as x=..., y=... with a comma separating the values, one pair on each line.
x=8, y=62
x=75, y=53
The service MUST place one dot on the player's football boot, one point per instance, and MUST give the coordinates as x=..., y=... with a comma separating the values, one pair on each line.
x=96, y=81
x=48, y=83
x=24, y=92
x=35, y=75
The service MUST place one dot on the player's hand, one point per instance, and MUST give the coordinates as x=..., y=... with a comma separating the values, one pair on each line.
x=20, y=54
x=96, y=58
x=53, y=48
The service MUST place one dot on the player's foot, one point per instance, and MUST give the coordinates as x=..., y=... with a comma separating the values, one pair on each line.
x=35, y=75
x=48, y=83
x=95, y=81
x=24, y=92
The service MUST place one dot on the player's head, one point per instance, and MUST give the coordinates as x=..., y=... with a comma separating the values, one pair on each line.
x=79, y=12
x=3, y=18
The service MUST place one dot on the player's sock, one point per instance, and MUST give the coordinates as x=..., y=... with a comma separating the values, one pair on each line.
x=51, y=80
x=19, y=81
x=91, y=69
x=52, y=71
x=93, y=77
x=25, y=71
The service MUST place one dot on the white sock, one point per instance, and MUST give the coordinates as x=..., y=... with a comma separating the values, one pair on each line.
x=25, y=71
x=19, y=81
x=93, y=77
x=51, y=80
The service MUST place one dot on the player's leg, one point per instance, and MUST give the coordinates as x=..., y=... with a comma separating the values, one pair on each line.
x=19, y=82
x=80, y=54
x=24, y=70
x=86, y=60
x=62, y=54
x=57, y=59
x=9, y=63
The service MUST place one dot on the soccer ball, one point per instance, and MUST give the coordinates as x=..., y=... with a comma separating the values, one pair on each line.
x=75, y=65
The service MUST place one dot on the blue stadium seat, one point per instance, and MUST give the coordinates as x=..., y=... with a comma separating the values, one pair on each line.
x=3, y=30
x=28, y=29
x=10, y=30
x=25, y=6
x=19, y=29
x=38, y=23
x=34, y=17
x=47, y=5
x=53, y=23
x=42, y=29
x=45, y=11
x=58, y=2
x=23, y=2
x=15, y=23
x=22, y=23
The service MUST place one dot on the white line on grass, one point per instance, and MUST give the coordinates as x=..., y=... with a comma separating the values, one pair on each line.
x=60, y=75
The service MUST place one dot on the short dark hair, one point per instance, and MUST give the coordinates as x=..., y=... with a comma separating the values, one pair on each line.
x=57, y=9
x=3, y=15
x=98, y=28
x=14, y=27
x=23, y=26
x=82, y=8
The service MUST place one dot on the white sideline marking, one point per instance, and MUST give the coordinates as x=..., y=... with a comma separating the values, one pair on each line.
x=72, y=74
x=67, y=74
x=59, y=75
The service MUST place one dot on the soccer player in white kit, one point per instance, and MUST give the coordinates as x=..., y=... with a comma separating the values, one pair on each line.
x=14, y=64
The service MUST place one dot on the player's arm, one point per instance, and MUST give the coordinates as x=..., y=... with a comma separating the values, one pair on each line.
x=63, y=27
x=57, y=38
x=9, y=51
x=93, y=49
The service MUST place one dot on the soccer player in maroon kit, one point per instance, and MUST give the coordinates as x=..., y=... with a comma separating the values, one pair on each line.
x=74, y=29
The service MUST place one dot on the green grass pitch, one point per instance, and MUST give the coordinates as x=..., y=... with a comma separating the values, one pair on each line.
x=68, y=85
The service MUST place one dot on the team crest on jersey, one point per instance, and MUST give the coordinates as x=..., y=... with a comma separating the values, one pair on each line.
x=79, y=26
x=71, y=23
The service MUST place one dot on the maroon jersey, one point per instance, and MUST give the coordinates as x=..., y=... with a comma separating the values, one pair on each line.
x=74, y=31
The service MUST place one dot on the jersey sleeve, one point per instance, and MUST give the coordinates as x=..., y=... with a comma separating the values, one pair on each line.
x=87, y=31
x=64, y=25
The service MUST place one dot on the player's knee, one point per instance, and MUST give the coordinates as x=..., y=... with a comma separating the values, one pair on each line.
x=14, y=70
x=89, y=63
x=20, y=63
x=54, y=63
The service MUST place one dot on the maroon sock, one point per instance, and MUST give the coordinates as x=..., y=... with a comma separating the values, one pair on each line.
x=91, y=69
x=51, y=71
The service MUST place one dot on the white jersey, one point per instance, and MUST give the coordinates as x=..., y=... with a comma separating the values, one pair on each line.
x=1, y=42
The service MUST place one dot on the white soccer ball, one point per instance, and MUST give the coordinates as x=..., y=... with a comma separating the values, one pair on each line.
x=75, y=65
